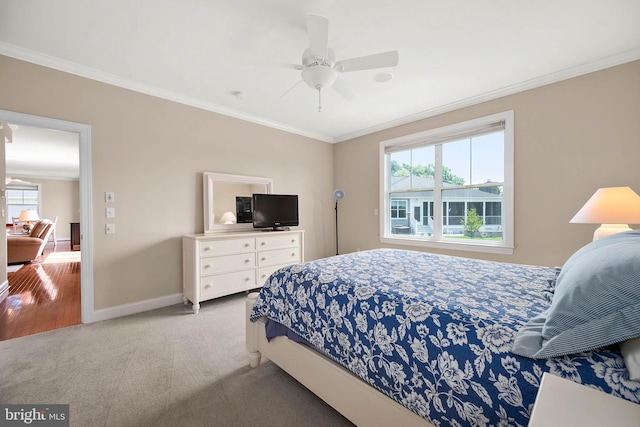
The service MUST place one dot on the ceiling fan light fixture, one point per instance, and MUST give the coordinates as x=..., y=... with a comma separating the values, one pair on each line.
x=319, y=76
x=320, y=69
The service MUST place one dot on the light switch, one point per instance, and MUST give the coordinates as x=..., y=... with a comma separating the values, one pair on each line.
x=110, y=212
x=110, y=229
x=109, y=197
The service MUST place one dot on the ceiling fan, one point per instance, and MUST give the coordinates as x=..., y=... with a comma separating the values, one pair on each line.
x=320, y=69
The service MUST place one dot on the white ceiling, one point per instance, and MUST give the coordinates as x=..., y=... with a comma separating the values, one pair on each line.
x=452, y=53
x=42, y=153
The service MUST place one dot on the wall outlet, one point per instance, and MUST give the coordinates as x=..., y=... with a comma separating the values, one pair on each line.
x=110, y=229
x=110, y=212
x=109, y=197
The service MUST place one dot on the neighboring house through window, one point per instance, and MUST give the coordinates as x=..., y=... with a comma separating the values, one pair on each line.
x=398, y=209
x=457, y=181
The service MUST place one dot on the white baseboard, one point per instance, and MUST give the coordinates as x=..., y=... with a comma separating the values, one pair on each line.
x=136, y=307
x=4, y=290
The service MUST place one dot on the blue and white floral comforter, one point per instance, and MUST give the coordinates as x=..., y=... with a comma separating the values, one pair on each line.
x=433, y=332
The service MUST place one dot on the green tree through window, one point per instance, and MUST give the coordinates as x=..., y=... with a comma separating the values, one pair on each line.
x=425, y=171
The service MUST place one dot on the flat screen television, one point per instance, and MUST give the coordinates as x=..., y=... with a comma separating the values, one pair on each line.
x=274, y=212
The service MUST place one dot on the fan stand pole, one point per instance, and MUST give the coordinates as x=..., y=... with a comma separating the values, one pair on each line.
x=337, y=228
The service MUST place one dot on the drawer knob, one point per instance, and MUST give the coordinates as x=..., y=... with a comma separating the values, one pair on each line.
x=206, y=248
x=246, y=245
x=293, y=254
x=247, y=260
x=207, y=266
x=264, y=258
x=247, y=279
x=207, y=286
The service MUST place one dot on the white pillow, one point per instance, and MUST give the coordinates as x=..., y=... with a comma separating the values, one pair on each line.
x=631, y=352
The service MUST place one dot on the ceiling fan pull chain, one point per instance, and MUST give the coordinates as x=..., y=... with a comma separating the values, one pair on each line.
x=319, y=99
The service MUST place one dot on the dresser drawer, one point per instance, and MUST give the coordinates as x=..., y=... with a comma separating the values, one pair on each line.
x=279, y=256
x=219, y=264
x=224, y=263
x=228, y=283
x=275, y=241
x=265, y=272
x=231, y=246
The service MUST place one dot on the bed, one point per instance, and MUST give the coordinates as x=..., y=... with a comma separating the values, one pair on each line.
x=411, y=338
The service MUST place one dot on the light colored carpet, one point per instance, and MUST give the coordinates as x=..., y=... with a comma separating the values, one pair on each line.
x=166, y=367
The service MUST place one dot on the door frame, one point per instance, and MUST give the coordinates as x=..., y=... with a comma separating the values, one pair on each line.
x=86, y=203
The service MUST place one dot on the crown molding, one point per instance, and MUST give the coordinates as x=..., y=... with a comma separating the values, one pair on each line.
x=94, y=74
x=48, y=61
x=611, y=61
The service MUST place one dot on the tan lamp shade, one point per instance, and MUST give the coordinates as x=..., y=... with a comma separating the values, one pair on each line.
x=28, y=215
x=613, y=207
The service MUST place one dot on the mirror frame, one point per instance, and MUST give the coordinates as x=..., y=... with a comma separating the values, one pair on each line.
x=208, y=180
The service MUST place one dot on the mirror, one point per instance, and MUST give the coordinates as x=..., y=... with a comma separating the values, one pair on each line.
x=220, y=192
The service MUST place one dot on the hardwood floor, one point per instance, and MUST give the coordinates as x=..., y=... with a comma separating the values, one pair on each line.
x=43, y=295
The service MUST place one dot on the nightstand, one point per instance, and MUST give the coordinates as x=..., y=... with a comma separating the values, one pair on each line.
x=562, y=402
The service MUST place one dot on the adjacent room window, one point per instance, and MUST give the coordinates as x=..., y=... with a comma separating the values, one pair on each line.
x=21, y=197
x=457, y=181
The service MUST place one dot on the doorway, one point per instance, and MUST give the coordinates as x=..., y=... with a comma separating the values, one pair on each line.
x=86, y=216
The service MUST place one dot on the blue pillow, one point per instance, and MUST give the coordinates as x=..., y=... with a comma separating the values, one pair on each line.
x=596, y=301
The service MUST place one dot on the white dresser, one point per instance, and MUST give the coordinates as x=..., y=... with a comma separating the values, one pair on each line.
x=216, y=265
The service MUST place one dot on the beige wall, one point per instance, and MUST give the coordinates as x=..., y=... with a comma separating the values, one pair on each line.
x=151, y=153
x=571, y=138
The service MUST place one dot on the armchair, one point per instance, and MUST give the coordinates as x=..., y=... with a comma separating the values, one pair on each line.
x=29, y=247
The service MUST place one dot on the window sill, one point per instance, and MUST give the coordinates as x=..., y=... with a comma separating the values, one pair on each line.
x=455, y=246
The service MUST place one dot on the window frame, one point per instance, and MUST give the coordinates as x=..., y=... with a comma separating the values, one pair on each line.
x=26, y=186
x=438, y=136
x=398, y=209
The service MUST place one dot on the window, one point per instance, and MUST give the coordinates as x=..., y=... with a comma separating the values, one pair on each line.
x=21, y=197
x=457, y=181
x=398, y=209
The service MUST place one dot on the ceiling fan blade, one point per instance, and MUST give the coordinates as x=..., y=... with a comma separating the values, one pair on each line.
x=291, y=88
x=378, y=60
x=318, y=29
x=290, y=66
x=344, y=89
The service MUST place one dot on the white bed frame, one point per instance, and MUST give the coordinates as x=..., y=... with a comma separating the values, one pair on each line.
x=359, y=402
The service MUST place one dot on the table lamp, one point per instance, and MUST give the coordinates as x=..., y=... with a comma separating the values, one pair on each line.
x=613, y=208
x=28, y=216
x=228, y=218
